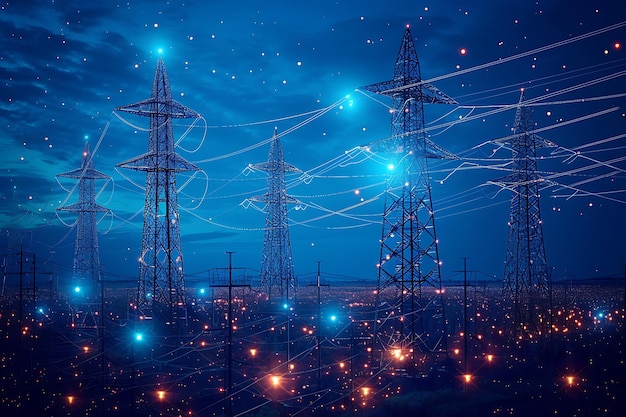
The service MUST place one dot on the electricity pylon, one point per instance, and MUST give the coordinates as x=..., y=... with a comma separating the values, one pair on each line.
x=161, y=288
x=526, y=275
x=277, y=274
x=409, y=314
x=86, y=270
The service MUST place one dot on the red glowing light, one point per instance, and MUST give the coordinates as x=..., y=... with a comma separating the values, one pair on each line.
x=463, y=51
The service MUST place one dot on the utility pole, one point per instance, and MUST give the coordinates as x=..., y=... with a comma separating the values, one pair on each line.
x=319, y=327
x=19, y=312
x=465, y=316
x=229, y=334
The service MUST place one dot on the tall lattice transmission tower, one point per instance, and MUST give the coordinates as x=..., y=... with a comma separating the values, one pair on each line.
x=526, y=275
x=161, y=288
x=409, y=316
x=277, y=275
x=86, y=269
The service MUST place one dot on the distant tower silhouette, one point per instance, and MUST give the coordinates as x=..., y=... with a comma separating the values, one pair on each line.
x=526, y=269
x=161, y=288
x=409, y=280
x=277, y=276
x=86, y=270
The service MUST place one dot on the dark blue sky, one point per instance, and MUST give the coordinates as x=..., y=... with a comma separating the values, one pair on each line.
x=250, y=66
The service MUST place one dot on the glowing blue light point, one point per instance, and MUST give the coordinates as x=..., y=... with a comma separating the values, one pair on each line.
x=76, y=289
x=390, y=167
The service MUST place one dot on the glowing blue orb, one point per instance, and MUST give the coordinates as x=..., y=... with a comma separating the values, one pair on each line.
x=77, y=289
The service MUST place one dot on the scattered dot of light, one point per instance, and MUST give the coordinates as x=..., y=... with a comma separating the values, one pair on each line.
x=463, y=51
x=617, y=45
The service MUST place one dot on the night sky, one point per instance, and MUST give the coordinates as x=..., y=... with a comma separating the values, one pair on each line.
x=248, y=67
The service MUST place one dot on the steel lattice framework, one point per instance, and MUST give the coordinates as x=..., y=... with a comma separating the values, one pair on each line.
x=526, y=276
x=409, y=283
x=86, y=270
x=277, y=274
x=161, y=288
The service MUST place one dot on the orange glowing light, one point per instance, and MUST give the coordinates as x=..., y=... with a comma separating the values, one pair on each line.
x=489, y=358
x=467, y=377
x=70, y=399
x=161, y=394
x=275, y=380
x=365, y=391
x=570, y=380
x=253, y=352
